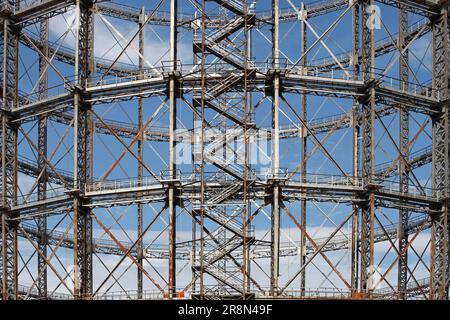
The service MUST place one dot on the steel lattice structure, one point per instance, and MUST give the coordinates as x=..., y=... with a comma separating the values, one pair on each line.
x=89, y=202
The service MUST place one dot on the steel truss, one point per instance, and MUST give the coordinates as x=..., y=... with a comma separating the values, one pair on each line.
x=225, y=89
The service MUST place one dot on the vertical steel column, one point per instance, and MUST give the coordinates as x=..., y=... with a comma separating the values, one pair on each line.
x=140, y=146
x=440, y=165
x=202, y=155
x=368, y=144
x=9, y=78
x=195, y=26
x=42, y=166
x=403, y=170
x=275, y=226
x=84, y=70
x=172, y=167
x=304, y=149
x=245, y=214
x=248, y=109
x=356, y=25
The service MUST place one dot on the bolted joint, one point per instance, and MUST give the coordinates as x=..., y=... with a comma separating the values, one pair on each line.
x=7, y=8
x=175, y=77
x=11, y=119
x=269, y=88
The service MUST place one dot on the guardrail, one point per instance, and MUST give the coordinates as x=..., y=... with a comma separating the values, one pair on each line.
x=314, y=293
x=387, y=186
x=54, y=91
x=327, y=179
x=413, y=190
x=32, y=163
x=413, y=290
x=413, y=155
x=33, y=293
x=282, y=173
x=381, y=43
x=114, y=295
x=412, y=88
x=223, y=68
x=33, y=197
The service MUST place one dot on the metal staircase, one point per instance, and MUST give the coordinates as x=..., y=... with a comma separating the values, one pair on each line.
x=227, y=222
x=225, y=52
x=228, y=165
x=234, y=6
x=230, y=237
x=217, y=265
x=216, y=42
x=221, y=250
x=233, y=169
x=221, y=33
x=224, y=194
x=216, y=100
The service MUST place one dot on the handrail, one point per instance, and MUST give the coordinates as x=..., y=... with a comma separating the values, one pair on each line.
x=312, y=179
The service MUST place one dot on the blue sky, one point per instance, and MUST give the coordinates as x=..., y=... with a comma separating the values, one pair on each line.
x=107, y=148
